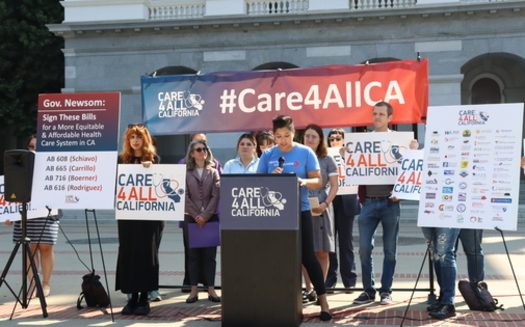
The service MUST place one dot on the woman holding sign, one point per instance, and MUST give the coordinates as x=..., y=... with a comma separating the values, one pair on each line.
x=202, y=199
x=346, y=207
x=138, y=254
x=323, y=215
x=291, y=157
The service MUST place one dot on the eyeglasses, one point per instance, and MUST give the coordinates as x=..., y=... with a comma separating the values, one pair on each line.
x=313, y=137
x=30, y=146
x=136, y=125
x=200, y=149
x=335, y=138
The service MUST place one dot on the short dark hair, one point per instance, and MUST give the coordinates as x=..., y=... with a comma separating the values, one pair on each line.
x=389, y=109
x=282, y=121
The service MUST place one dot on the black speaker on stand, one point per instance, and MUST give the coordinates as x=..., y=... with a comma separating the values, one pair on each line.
x=18, y=180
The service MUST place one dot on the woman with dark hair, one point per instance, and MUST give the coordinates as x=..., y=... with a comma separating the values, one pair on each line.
x=346, y=207
x=202, y=199
x=138, y=254
x=265, y=140
x=247, y=161
x=43, y=233
x=323, y=216
x=302, y=161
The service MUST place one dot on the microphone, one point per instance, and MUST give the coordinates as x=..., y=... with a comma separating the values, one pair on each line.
x=281, y=162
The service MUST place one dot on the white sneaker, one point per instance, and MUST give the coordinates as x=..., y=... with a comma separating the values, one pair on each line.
x=385, y=299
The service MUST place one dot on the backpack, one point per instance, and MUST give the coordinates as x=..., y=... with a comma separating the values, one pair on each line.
x=93, y=292
x=477, y=296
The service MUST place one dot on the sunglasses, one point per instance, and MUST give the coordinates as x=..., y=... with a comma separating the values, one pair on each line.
x=335, y=138
x=200, y=149
x=30, y=146
x=136, y=125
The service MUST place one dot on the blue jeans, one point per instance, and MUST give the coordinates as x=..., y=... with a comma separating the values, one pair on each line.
x=471, y=242
x=374, y=212
x=442, y=251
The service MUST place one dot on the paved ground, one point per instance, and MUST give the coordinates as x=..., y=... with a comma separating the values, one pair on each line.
x=173, y=311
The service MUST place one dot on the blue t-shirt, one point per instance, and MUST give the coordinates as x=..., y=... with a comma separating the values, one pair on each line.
x=299, y=160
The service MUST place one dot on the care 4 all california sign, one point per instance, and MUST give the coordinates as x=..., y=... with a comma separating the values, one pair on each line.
x=374, y=158
x=155, y=193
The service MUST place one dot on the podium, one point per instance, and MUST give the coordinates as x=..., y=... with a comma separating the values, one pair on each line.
x=260, y=250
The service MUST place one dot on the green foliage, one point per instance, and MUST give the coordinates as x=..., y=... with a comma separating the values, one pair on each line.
x=31, y=61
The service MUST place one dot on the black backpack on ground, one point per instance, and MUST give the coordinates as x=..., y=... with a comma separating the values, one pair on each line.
x=477, y=296
x=93, y=292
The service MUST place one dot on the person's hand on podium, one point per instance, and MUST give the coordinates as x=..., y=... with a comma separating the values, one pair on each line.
x=8, y=222
x=277, y=170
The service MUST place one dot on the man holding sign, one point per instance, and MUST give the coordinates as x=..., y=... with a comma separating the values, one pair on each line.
x=379, y=207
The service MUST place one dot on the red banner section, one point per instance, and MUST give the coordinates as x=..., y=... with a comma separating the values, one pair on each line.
x=331, y=96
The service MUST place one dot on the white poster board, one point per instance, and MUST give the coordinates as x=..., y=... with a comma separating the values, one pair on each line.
x=374, y=158
x=408, y=183
x=471, y=167
x=153, y=193
x=343, y=187
x=76, y=152
x=11, y=210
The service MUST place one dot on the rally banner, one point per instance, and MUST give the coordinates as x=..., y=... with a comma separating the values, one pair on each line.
x=472, y=167
x=331, y=96
x=374, y=158
x=408, y=183
x=76, y=152
x=153, y=193
x=343, y=187
x=12, y=210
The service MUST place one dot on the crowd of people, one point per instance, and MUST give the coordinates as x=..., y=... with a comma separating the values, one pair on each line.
x=322, y=227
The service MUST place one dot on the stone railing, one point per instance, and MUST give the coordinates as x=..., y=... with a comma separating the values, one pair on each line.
x=160, y=10
x=256, y=7
x=121, y=10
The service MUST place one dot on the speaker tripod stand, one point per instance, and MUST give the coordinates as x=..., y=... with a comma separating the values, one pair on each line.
x=28, y=262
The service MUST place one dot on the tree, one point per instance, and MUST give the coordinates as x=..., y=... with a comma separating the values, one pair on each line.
x=31, y=61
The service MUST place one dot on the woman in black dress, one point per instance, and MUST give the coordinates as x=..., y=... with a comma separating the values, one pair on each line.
x=138, y=255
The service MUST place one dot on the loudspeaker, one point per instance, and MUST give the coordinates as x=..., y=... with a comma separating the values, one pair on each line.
x=18, y=175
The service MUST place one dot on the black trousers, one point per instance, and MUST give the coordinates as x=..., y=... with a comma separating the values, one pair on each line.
x=201, y=261
x=309, y=260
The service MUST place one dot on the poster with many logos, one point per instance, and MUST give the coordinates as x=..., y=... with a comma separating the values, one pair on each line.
x=76, y=152
x=472, y=167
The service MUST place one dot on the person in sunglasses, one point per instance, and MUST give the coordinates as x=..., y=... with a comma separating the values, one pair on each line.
x=346, y=207
x=202, y=199
x=138, y=255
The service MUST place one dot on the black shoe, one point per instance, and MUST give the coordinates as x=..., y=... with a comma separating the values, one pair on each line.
x=446, y=311
x=309, y=296
x=192, y=299
x=214, y=298
x=325, y=316
x=142, y=309
x=129, y=309
x=434, y=306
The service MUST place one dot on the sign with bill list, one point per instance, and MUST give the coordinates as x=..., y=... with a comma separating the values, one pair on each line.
x=76, y=152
